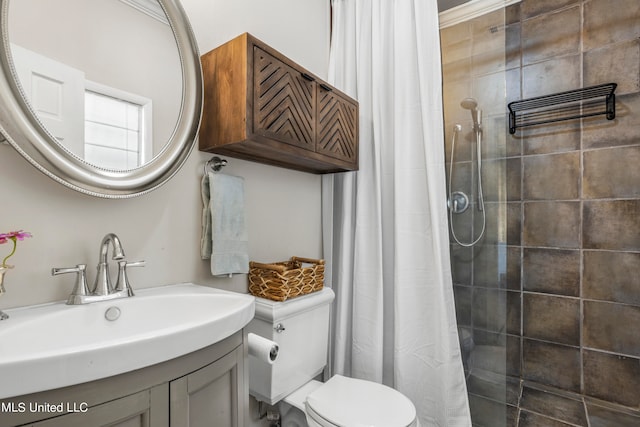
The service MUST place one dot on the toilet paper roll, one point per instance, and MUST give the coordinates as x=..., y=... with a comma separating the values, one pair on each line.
x=262, y=348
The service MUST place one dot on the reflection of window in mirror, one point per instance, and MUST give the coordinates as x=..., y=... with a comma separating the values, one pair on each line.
x=117, y=128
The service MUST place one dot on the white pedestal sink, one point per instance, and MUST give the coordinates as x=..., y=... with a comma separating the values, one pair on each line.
x=55, y=345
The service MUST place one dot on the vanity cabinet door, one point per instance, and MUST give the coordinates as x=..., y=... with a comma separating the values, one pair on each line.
x=144, y=409
x=211, y=396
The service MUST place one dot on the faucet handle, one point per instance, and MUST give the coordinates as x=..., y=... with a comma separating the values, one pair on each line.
x=80, y=290
x=123, y=281
x=135, y=263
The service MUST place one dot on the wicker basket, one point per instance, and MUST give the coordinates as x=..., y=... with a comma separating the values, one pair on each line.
x=283, y=280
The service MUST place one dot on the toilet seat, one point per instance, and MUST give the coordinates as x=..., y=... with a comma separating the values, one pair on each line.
x=349, y=402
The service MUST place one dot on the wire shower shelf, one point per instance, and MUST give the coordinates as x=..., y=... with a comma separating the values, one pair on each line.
x=572, y=104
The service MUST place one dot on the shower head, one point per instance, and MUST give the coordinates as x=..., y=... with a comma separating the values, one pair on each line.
x=469, y=104
x=472, y=105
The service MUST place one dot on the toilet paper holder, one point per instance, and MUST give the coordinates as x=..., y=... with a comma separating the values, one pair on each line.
x=262, y=348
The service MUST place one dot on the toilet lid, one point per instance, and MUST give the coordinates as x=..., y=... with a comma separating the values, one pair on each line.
x=349, y=402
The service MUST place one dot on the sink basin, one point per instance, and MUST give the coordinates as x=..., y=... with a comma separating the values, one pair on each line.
x=55, y=345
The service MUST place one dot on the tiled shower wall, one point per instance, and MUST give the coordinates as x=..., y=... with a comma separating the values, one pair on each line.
x=556, y=281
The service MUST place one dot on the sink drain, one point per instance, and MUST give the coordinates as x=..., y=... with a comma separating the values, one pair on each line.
x=112, y=313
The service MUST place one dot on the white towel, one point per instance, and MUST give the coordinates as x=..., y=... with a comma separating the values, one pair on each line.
x=224, y=234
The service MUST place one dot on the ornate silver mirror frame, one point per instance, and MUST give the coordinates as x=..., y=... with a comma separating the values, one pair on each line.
x=22, y=129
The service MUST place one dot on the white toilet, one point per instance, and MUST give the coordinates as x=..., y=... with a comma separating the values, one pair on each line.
x=300, y=326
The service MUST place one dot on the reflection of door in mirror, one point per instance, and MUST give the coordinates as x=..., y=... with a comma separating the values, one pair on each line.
x=104, y=126
x=56, y=94
x=128, y=60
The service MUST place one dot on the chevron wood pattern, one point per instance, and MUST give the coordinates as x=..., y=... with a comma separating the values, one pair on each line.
x=337, y=126
x=261, y=106
x=284, y=106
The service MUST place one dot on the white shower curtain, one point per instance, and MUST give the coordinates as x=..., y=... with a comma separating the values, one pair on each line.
x=385, y=226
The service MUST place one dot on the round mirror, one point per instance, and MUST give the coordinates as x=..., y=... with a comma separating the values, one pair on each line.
x=104, y=96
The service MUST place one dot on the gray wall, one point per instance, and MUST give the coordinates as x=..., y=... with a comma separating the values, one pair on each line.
x=163, y=227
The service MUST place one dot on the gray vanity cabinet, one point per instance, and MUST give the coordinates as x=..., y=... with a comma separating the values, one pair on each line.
x=208, y=387
x=210, y=396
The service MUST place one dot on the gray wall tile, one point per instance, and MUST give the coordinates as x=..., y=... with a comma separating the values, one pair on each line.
x=514, y=268
x=462, y=264
x=611, y=225
x=512, y=14
x=513, y=52
x=612, y=276
x=486, y=89
x=488, y=51
x=552, y=364
x=530, y=8
x=552, y=177
x=552, y=138
x=484, y=411
x=487, y=266
x=530, y=419
x=612, y=378
x=551, y=271
x=612, y=327
x=514, y=223
x=493, y=174
x=489, y=309
x=492, y=235
x=514, y=179
x=551, y=35
x=456, y=69
x=624, y=130
x=536, y=81
x=554, y=405
x=552, y=224
x=505, y=390
x=551, y=318
x=514, y=313
x=462, y=296
x=618, y=63
x=610, y=21
x=514, y=363
x=605, y=417
x=612, y=173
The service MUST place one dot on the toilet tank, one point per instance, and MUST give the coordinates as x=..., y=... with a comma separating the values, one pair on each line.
x=300, y=327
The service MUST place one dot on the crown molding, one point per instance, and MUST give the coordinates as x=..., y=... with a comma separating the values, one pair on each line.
x=471, y=10
x=149, y=7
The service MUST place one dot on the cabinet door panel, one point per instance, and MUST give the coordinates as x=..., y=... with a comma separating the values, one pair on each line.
x=337, y=126
x=210, y=396
x=129, y=411
x=284, y=102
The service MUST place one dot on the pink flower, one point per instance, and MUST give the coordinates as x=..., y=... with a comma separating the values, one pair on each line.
x=12, y=236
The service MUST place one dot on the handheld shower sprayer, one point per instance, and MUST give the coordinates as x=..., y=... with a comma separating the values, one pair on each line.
x=472, y=105
x=458, y=201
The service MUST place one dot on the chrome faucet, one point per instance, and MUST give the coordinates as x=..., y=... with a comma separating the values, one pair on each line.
x=102, y=289
x=102, y=285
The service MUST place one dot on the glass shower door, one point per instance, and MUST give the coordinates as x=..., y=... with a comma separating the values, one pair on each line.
x=477, y=162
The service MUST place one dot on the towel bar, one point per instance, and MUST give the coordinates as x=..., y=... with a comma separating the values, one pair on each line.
x=214, y=164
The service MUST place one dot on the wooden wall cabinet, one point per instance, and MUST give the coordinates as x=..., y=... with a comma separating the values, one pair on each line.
x=261, y=106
